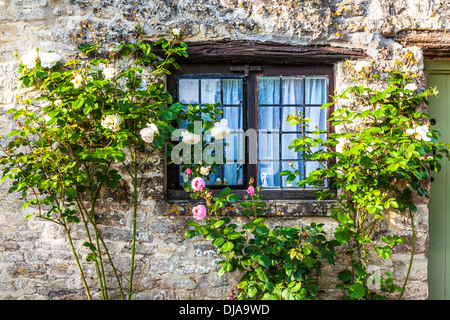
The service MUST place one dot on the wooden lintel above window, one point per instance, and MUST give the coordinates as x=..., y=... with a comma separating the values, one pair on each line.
x=435, y=44
x=257, y=52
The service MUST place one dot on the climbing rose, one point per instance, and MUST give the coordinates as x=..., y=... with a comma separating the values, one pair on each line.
x=30, y=59
x=204, y=171
x=112, y=122
x=411, y=86
x=176, y=31
x=220, y=129
x=190, y=138
x=108, y=73
x=188, y=171
x=251, y=190
x=198, y=184
x=419, y=132
x=49, y=59
x=77, y=80
x=199, y=212
x=362, y=65
x=147, y=135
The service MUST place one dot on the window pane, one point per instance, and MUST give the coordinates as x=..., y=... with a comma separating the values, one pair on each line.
x=234, y=150
x=268, y=90
x=188, y=91
x=315, y=91
x=311, y=166
x=292, y=90
x=268, y=146
x=323, y=136
x=233, y=174
x=318, y=118
x=215, y=179
x=210, y=91
x=232, y=91
x=286, y=140
x=269, y=174
x=234, y=116
x=298, y=165
x=290, y=111
x=269, y=119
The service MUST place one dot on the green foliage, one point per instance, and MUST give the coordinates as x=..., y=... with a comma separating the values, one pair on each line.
x=282, y=263
x=380, y=159
x=60, y=158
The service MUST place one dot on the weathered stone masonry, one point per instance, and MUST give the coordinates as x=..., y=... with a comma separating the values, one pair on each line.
x=35, y=260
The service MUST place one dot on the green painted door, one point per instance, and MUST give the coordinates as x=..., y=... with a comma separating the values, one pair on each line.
x=438, y=75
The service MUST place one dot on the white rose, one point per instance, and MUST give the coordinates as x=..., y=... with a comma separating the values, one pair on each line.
x=77, y=80
x=153, y=127
x=411, y=86
x=362, y=65
x=190, y=138
x=419, y=132
x=49, y=59
x=47, y=118
x=112, y=122
x=30, y=59
x=176, y=31
x=58, y=103
x=147, y=134
x=108, y=73
x=204, y=171
x=220, y=129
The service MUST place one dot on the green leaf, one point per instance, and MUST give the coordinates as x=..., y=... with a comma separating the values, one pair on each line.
x=342, y=235
x=234, y=235
x=225, y=192
x=218, y=242
x=263, y=276
x=78, y=103
x=217, y=224
x=228, y=246
x=345, y=276
x=232, y=197
x=358, y=290
x=13, y=133
x=264, y=261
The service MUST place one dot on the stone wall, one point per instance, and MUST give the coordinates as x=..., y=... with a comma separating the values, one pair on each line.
x=35, y=259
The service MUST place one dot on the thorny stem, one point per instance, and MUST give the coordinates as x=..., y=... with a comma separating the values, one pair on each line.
x=133, y=243
x=90, y=241
x=98, y=235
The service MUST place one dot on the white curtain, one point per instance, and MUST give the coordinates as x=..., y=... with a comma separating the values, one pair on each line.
x=277, y=98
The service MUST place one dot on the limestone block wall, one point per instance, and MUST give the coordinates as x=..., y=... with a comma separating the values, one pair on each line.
x=35, y=259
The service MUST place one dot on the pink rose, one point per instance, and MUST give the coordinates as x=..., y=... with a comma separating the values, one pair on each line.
x=250, y=190
x=199, y=212
x=188, y=171
x=198, y=184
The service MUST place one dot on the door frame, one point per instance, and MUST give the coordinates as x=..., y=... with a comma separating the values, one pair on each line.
x=439, y=207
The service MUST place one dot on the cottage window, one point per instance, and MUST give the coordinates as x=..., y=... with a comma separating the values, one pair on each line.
x=256, y=101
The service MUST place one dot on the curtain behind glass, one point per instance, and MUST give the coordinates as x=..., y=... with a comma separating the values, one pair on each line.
x=277, y=98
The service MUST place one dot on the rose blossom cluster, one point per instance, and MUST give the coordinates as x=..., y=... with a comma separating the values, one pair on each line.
x=47, y=59
x=112, y=122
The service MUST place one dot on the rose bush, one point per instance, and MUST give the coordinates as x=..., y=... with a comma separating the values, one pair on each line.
x=282, y=263
x=94, y=113
x=382, y=158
